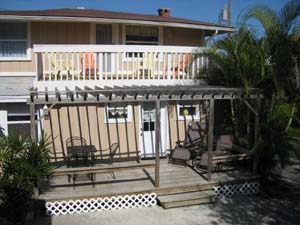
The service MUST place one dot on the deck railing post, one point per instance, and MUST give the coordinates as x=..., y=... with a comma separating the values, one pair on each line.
x=32, y=121
x=157, y=142
x=210, y=137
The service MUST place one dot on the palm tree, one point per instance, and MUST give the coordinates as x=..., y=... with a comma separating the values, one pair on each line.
x=281, y=43
x=237, y=61
x=270, y=62
x=279, y=131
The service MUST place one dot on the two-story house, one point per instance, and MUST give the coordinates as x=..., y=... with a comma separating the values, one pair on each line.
x=82, y=49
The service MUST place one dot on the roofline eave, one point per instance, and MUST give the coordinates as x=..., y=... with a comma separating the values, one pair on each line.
x=108, y=20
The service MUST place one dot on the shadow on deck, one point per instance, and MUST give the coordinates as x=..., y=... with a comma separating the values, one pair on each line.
x=136, y=181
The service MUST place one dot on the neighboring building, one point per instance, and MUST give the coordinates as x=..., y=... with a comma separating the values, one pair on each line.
x=68, y=49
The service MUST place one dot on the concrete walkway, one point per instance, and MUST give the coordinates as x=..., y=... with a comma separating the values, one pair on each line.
x=243, y=210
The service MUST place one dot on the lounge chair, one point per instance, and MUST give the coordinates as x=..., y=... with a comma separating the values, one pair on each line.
x=187, y=149
x=225, y=151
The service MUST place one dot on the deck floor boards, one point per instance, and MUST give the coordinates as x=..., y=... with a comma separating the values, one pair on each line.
x=141, y=180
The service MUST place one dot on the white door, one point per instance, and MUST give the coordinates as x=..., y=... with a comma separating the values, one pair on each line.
x=147, y=139
x=3, y=122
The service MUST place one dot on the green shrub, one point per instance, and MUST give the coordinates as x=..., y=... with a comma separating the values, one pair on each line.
x=23, y=162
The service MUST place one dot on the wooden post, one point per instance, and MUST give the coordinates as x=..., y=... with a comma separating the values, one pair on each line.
x=32, y=121
x=256, y=134
x=210, y=136
x=157, y=142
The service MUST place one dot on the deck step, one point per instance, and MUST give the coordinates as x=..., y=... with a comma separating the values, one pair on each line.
x=186, y=199
x=183, y=189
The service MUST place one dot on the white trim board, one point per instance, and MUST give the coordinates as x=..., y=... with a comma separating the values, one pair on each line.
x=13, y=99
x=17, y=74
x=107, y=20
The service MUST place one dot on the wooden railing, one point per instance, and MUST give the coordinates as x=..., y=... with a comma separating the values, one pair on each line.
x=117, y=62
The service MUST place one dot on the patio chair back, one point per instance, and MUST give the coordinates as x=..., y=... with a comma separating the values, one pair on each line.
x=76, y=141
x=224, y=142
x=113, y=149
x=194, y=134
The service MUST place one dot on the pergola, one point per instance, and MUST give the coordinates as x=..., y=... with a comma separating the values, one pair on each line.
x=157, y=94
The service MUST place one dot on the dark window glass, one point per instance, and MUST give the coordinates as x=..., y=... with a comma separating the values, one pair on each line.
x=19, y=117
x=19, y=129
x=103, y=34
x=13, y=39
x=187, y=110
x=117, y=113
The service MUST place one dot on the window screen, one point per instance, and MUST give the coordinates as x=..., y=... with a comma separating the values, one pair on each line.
x=141, y=35
x=13, y=40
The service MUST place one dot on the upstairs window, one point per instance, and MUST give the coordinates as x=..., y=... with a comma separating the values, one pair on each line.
x=141, y=35
x=13, y=40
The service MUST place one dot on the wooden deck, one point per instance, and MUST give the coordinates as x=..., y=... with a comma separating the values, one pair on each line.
x=172, y=178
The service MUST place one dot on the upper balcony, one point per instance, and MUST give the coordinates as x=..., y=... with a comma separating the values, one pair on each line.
x=100, y=65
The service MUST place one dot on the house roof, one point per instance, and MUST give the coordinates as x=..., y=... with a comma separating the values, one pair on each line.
x=15, y=89
x=80, y=14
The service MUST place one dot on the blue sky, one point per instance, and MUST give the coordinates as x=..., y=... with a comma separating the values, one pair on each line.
x=203, y=10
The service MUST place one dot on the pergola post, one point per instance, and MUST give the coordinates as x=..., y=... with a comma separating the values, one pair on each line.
x=32, y=121
x=256, y=134
x=157, y=141
x=210, y=136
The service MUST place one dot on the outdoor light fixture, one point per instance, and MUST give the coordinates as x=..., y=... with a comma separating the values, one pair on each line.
x=45, y=112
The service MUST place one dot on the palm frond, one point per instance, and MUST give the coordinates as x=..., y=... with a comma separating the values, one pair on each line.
x=263, y=14
x=288, y=14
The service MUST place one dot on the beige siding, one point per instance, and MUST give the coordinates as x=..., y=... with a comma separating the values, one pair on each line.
x=79, y=33
x=182, y=37
x=60, y=33
x=49, y=33
x=18, y=66
x=89, y=122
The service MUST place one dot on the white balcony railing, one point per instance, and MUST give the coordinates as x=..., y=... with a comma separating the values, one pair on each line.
x=117, y=62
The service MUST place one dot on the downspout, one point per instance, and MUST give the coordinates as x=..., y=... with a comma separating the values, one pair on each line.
x=211, y=37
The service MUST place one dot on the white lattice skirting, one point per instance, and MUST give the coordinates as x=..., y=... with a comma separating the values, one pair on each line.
x=237, y=189
x=101, y=204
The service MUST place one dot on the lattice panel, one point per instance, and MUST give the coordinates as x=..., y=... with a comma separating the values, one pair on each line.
x=100, y=204
x=237, y=189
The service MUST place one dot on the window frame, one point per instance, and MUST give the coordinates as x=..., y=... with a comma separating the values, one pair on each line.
x=28, y=44
x=118, y=120
x=141, y=42
x=190, y=117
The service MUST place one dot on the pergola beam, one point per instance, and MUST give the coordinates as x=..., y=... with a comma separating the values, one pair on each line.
x=249, y=106
x=210, y=137
x=32, y=121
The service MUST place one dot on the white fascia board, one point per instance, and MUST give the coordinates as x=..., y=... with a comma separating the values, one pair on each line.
x=107, y=20
x=116, y=48
x=13, y=99
x=17, y=74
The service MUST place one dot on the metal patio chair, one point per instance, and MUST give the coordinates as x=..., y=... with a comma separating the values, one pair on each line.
x=111, y=153
x=79, y=154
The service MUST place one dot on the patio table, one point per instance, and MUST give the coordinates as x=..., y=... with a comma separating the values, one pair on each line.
x=83, y=154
